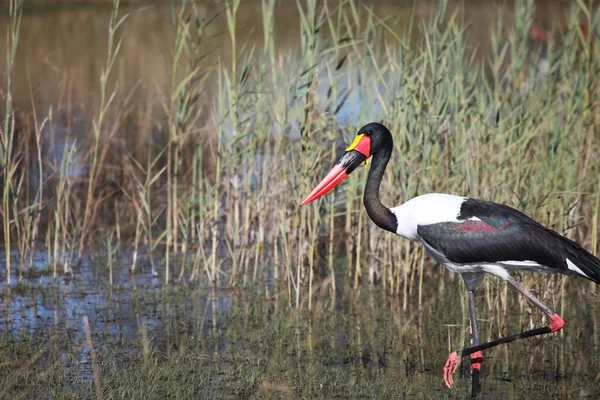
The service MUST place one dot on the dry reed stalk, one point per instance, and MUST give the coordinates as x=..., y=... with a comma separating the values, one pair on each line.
x=90, y=345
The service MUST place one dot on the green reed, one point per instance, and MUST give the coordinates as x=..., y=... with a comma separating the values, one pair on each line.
x=10, y=179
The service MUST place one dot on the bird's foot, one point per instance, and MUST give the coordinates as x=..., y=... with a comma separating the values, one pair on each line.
x=476, y=360
x=450, y=368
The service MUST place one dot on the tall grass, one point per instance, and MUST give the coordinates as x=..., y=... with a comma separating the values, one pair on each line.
x=227, y=180
x=11, y=180
x=99, y=124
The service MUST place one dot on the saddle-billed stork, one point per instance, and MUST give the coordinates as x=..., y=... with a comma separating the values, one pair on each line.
x=468, y=236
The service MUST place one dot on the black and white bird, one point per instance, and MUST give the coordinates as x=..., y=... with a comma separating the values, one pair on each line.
x=468, y=236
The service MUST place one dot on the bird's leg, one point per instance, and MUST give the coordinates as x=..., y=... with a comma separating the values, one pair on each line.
x=472, y=279
x=556, y=324
x=476, y=357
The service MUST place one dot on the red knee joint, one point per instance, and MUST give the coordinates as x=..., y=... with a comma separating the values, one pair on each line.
x=557, y=323
x=476, y=360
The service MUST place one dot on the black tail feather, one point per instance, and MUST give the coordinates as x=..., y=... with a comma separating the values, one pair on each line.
x=581, y=258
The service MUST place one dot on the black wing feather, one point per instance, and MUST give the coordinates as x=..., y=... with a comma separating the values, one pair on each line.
x=505, y=234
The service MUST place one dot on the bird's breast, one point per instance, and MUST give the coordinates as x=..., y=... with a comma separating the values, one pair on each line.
x=426, y=209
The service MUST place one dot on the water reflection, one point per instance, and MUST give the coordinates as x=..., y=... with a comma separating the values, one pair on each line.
x=63, y=49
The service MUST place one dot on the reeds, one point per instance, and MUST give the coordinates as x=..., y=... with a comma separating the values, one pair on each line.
x=9, y=159
x=99, y=123
x=226, y=178
x=90, y=345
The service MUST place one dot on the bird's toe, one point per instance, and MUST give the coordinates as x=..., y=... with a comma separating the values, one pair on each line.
x=450, y=368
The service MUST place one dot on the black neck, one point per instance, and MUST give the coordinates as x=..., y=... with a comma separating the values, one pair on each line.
x=380, y=214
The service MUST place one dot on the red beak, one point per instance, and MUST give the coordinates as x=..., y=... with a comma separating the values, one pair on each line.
x=355, y=154
x=333, y=178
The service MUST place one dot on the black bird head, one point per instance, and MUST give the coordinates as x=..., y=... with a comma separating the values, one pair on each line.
x=369, y=140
